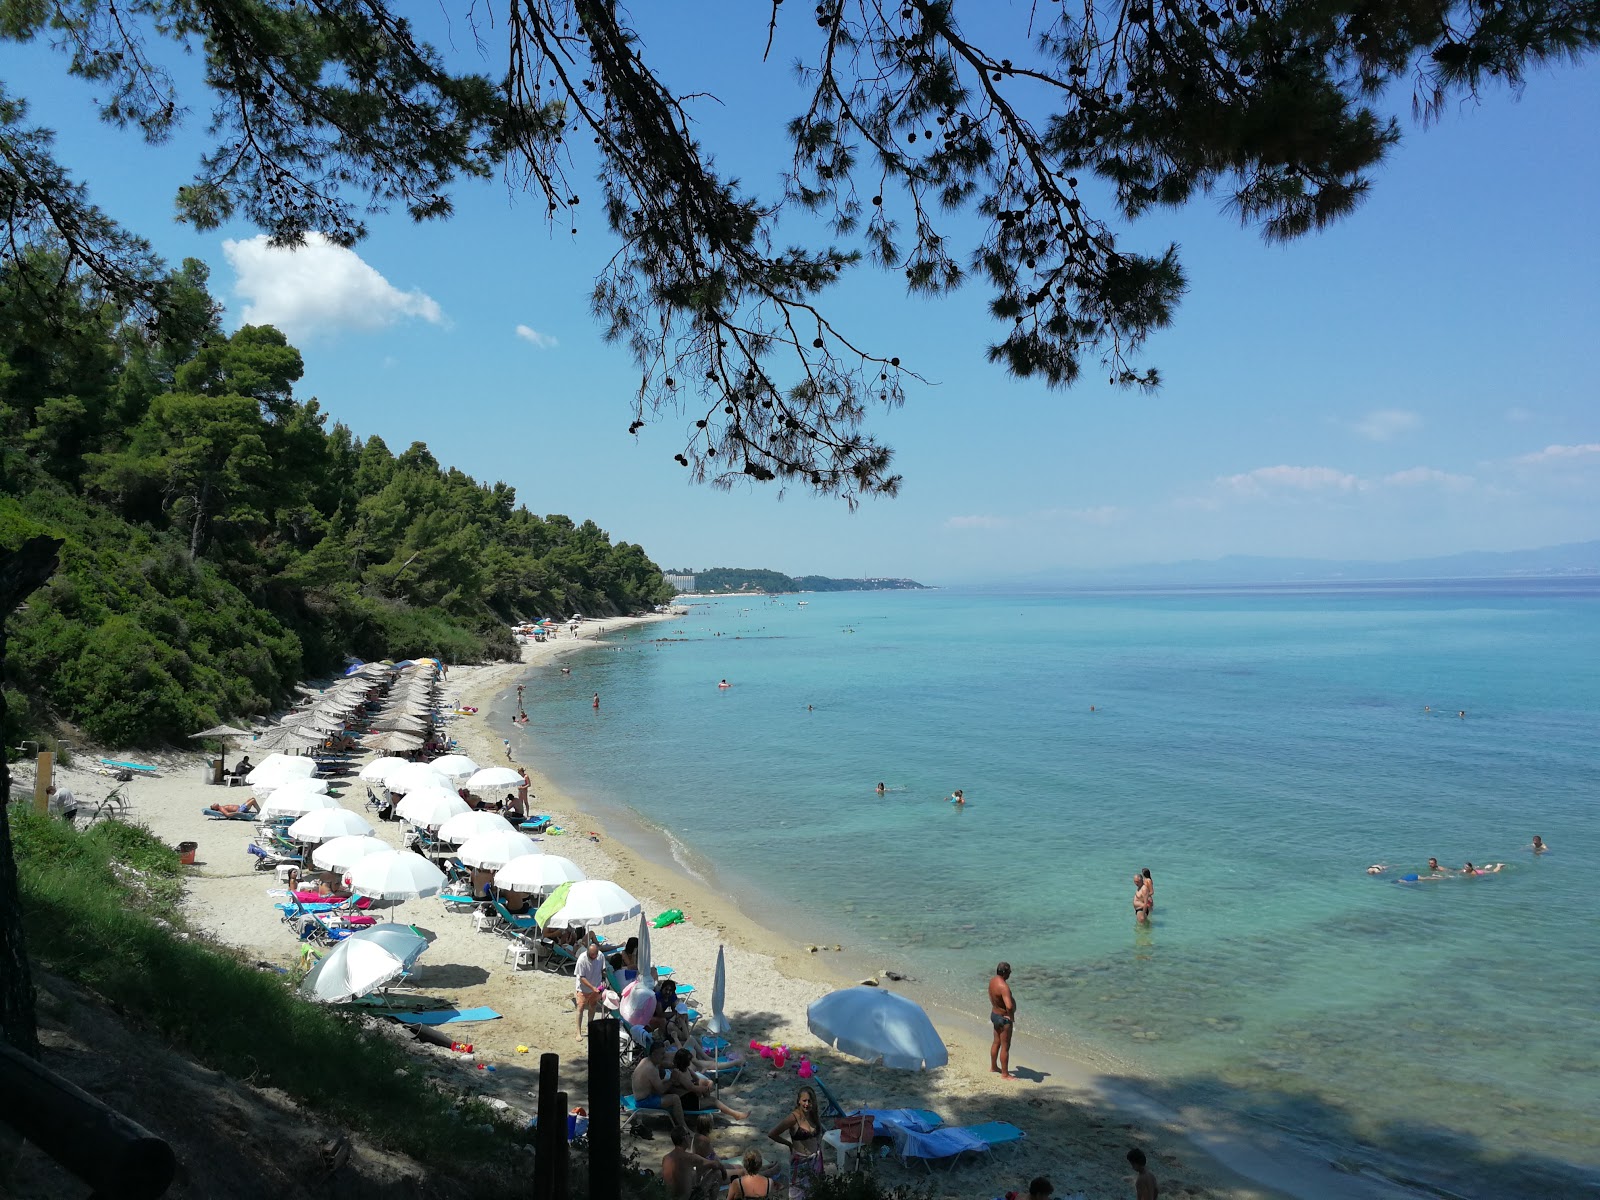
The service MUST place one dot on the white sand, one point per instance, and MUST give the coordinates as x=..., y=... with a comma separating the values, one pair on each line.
x=1075, y=1137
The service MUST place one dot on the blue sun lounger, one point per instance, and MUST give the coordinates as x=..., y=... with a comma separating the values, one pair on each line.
x=949, y=1144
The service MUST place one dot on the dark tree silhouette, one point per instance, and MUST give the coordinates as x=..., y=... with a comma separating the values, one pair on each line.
x=22, y=571
x=325, y=110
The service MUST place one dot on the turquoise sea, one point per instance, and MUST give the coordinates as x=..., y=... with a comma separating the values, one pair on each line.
x=1256, y=749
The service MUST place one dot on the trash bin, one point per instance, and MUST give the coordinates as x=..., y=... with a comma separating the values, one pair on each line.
x=186, y=852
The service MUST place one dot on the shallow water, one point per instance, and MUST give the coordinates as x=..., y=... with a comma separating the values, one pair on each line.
x=1257, y=750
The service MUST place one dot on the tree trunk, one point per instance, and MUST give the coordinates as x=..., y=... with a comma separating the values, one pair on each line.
x=197, y=530
x=21, y=572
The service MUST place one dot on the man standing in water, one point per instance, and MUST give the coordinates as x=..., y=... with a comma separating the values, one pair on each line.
x=1003, y=1016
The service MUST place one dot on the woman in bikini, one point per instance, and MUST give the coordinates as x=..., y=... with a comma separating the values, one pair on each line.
x=1141, y=898
x=804, y=1129
x=752, y=1185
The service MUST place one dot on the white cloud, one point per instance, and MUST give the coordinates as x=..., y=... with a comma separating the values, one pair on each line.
x=1100, y=514
x=1559, y=454
x=1419, y=476
x=1281, y=478
x=1385, y=424
x=542, y=340
x=319, y=288
x=976, y=522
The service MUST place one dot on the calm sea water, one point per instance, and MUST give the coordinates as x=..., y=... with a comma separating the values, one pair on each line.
x=1257, y=750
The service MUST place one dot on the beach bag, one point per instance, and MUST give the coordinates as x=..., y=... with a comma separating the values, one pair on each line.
x=855, y=1131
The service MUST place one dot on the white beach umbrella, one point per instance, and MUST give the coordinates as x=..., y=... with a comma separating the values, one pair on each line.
x=537, y=873
x=431, y=807
x=413, y=776
x=378, y=769
x=454, y=766
x=398, y=875
x=596, y=902
x=286, y=803
x=275, y=769
x=491, y=778
x=494, y=850
x=364, y=962
x=328, y=823
x=719, y=1022
x=471, y=824
x=341, y=853
x=879, y=1026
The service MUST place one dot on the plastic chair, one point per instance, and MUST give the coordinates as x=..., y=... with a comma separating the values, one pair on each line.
x=849, y=1137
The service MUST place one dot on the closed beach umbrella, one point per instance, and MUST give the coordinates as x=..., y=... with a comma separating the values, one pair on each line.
x=377, y=771
x=494, y=850
x=491, y=778
x=431, y=807
x=719, y=1022
x=879, y=1026
x=454, y=766
x=398, y=875
x=341, y=853
x=537, y=873
x=467, y=825
x=285, y=803
x=596, y=902
x=646, y=965
x=413, y=777
x=364, y=962
x=328, y=823
x=275, y=769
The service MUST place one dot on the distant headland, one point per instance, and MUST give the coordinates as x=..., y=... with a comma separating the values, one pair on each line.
x=723, y=581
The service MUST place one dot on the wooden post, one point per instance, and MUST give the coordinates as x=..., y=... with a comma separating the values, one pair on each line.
x=551, y=1134
x=562, y=1188
x=42, y=778
x=605, y=1110
x=100, y=1146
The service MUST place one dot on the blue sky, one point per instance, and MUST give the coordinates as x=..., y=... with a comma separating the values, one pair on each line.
x=1417, y=380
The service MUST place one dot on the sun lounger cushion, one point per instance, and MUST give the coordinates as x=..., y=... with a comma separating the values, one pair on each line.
x=213, y=815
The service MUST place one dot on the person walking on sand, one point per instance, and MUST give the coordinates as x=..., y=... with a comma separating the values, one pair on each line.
x=589, y=981
x=1003, y=1016
x=1144, y=1184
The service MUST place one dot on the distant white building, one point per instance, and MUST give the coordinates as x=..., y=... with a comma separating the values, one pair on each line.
x=682, y=583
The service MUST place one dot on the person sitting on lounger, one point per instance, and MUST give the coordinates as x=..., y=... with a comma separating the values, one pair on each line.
x=684, y=1172
x=669, y=1022
x=233, y=810
x=651, y=1088
x=697, y=1089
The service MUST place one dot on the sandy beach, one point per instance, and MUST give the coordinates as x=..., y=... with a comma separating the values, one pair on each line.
x=1076, y=1136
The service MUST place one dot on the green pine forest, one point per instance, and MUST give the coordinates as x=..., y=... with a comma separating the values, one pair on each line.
x=223, y=539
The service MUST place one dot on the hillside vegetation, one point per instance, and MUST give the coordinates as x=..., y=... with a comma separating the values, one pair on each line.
x=719, y=580
x=223, y=540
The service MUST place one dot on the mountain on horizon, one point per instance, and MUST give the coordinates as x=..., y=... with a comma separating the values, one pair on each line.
x=1573, y=559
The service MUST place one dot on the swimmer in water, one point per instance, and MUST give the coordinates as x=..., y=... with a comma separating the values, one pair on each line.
x=1538, y=842
x=597, y=699
x=882, y=789
x=1433, y=865
x=959, y=798
x=1486, y=869
x=566, y=670
x=1376, y=869
x=1462, y=714
x=724, y=684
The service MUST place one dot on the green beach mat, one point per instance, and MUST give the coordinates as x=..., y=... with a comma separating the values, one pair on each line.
x=445, y=1016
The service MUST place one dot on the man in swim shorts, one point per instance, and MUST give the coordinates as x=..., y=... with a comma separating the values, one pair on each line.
x=1003, y=1016
x=651, y=1089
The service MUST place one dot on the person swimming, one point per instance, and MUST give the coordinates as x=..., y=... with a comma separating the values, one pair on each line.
x=959, y=798
x=882, y=789
x=724, y=684
x=1538, y=842
x=1486, y=869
